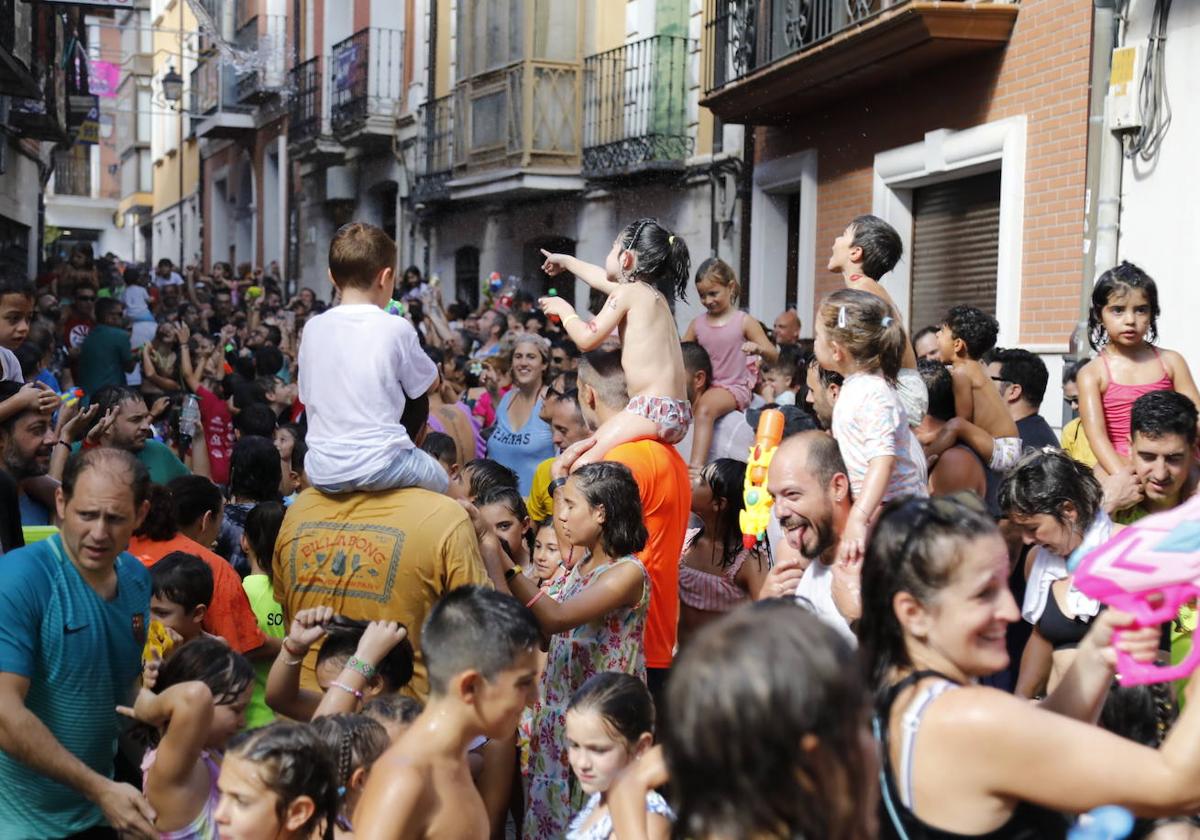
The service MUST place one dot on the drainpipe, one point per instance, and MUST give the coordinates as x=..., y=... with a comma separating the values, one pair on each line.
x=430, y=122
x=1104, y=168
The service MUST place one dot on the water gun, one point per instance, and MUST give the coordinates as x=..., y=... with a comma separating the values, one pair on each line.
x=757, y=501
x=1149, y=570
x=70, y=397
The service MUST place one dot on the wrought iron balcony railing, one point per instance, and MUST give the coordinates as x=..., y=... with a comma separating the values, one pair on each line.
x=72, y=174
x=264, y=38
x=367, y=81
x=309, y=106
x=435, y=149
x=635, y=107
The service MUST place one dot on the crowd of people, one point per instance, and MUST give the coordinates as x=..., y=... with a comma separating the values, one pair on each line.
x=385, y=566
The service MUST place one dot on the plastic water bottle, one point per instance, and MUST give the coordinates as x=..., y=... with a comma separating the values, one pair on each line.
x=189, y=418
x=1108, y=822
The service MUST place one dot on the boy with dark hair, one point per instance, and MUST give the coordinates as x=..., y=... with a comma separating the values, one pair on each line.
x=361, y=371
x=182, y=589
x=480, y=648
x=1021, y=379
x=981, y=421
x=868, y=249
x=16, y=315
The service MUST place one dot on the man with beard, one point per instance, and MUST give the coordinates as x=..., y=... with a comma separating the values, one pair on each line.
x=1162, y=446
x=26, y=442
x=807, y=479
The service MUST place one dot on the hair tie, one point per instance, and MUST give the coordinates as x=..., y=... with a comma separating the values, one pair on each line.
x=887, y=321
x=841, y=321
x=671, y=239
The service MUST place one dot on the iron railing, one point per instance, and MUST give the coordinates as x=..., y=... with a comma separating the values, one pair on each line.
x=745, y=35
x=72, y=174
x=367, y=79
x=435, y=148
x=214, y=86
x=635, y=106
x=308, y=115
x=264, y=37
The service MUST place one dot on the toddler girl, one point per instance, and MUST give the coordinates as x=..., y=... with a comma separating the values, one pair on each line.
x=610, y=724
x=278, y=783
x=192, y=708
x=858, y=338
x=729, y=336
x=1122, y=328
x=355, y=741
x=646, y=263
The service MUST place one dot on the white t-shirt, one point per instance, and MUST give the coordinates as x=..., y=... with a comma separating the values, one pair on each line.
x=172, y=279
x=137, y=303
x=356, y=363
x=10, y=367
x=815, y=591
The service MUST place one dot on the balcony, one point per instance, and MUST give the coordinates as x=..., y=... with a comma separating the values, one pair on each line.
x=517, y=131
x=216, y=112
x=772, y=60
x=435, y=150
x=265, y=37
x=310, y=133
x=367, y=85
x=635, y=108
x=16, y=78
x=72, y=174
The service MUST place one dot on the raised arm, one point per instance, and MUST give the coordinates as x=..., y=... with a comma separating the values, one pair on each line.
x=193, y=375
x=594, y=275
x=377, y=642
x=588, y=335
x=618, y=587
x=284, y=693
x=186, y=710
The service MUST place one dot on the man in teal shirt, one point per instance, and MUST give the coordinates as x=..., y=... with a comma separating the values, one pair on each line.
x=106, y=355
x=123, y=422
x=73, y=616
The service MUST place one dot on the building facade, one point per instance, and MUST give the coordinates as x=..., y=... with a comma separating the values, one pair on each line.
x=962, y=124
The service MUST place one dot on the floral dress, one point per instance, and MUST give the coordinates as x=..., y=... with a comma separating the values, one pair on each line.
x=611, y=643
x=602, y=828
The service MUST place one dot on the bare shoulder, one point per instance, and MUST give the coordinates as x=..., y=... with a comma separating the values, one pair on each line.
x=1173, y=360
x=1092, y=373
x=976, y=712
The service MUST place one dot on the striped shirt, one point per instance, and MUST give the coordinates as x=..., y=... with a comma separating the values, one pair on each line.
x=81, y=655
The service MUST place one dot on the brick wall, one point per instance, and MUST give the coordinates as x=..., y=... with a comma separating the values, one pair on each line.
x=1043, y=73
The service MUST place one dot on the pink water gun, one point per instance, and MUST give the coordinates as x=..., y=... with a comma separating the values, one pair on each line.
x=1148, y=570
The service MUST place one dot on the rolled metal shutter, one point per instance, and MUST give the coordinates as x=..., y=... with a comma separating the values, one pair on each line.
x=956, y=243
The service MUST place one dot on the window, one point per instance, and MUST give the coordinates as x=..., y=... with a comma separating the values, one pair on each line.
x=956, y=245
x=556, y=30
x=143, y=116
x=490, y=33
x=466, y=275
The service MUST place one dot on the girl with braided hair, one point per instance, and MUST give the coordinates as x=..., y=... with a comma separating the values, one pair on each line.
x=355, y=741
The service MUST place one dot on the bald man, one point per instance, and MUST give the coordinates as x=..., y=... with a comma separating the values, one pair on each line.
x=787, y=328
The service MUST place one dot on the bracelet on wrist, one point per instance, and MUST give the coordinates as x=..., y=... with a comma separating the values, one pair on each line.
x=287, y=645
x=357, y=665
x=535, y=598
x=567, y=320
x=291, y=663
x=335, y=684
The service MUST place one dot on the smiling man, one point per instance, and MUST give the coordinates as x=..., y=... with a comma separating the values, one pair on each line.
x=1162, y=447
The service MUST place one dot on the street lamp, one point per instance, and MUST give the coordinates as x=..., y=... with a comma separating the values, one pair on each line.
x=172, y=88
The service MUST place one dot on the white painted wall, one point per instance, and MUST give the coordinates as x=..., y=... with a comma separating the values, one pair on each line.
x=165, y=234
x=1158, y=212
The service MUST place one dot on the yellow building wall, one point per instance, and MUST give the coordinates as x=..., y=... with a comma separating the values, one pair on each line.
x=176, y=23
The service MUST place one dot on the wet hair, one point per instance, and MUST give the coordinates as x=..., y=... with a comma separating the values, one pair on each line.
x=725, y=477
x=622, y=701
x=357, y=253
x=485, y=474
x=880, y=243
x=720, y=272
x=914, y=549
x=872, y=336
x=976, y=328
x=1118, y=282
x=602, y=370
x=261, y=529
x=662, y=257
x=354, y=740
x=511, y=498
x=192, y=496
x=1161, y=413
x=1045, y=480
x=392, y=708
x=159, y=524
x=610, y=485
x=255, y=469
x=210, y=661
x=182, y=579
x=826, y=376
x=695, y=359
x=940, y=386
x=16, y=284
x=744, y=697
x=342, y=637
x=1023, y=368
x=475, y=629
x=113, y=396
x=293, y=761
x=441, y=446
x=256, y=420
x=134, y=473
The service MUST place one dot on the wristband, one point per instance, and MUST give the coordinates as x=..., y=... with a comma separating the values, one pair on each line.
x=289, y=649
x=358, y=694
x=291, y=663
x=534, y=599
x=567, y=320
x=509, y=574
x=61, y=442
x=365, y=668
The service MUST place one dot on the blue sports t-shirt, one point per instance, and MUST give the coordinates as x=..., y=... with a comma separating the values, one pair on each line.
x=81, y=655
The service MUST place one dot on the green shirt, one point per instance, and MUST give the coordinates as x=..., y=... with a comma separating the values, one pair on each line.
x=266, y=609
x=103, y=357
x=161, y=462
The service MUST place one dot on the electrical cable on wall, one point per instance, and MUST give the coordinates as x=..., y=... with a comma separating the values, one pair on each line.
x=1154, y=103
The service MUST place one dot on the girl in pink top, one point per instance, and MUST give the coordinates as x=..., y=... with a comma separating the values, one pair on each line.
x=729, y=336
x=1121, y=326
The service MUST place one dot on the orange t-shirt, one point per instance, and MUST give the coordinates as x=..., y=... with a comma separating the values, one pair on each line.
x=229, y=615
x=666, y=492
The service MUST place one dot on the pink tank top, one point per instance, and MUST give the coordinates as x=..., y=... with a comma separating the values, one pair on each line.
x=710, y=592
x=724, y=346
x=1118, y=401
